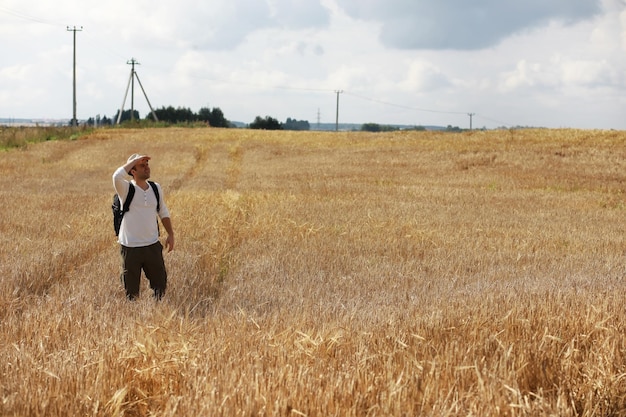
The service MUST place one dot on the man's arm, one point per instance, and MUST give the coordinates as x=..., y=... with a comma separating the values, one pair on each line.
x=120, y=183
x=169, y=242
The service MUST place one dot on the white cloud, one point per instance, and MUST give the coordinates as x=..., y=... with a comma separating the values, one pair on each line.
x=589, y=73
x=424, y=76
x=526, y=75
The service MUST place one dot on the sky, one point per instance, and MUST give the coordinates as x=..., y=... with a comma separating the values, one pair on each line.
x=491, y=63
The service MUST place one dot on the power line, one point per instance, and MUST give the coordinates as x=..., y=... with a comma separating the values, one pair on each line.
x=429, y=110
x=103, y=46
x=24, y=16
x=321, y=90
x=505, y=124
x=403, y=106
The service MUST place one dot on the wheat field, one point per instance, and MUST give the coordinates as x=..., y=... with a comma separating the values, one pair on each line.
x=321, y=274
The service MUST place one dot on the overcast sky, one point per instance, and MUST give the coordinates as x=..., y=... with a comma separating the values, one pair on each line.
x=548, y=63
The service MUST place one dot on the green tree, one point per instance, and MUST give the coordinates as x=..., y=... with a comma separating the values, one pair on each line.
x=126, y=116
x=293, y=124
x=267, y=123
x=166, y=114
x=214, y=117
x=375, y=127
x=176, y=115
x=454, y=129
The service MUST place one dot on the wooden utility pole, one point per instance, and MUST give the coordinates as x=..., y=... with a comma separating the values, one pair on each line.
x=74, y=29
x=131, y=83
x=471, y=115
x=132, y=87
x=337, y=113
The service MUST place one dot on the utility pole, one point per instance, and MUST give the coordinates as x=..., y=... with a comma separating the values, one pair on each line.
x=337, y=114
x=132, y=87
x=470, y=116
x=131, y=83
x=74, y=29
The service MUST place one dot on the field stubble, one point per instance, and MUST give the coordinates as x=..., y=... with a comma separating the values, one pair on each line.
x=322, y=274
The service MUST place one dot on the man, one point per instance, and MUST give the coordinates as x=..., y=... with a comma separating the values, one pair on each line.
x=139, y=231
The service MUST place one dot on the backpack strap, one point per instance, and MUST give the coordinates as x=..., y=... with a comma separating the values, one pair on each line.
x=156, y=193
x=129, y=198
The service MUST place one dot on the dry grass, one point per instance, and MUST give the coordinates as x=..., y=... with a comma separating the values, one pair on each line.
x=322, y=274
x=18, y=137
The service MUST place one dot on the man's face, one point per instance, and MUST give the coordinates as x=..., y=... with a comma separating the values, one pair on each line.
x=141, y=170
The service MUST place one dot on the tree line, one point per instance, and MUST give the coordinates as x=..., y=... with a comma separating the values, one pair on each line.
x=212, y=117
x=170, y=115
x=270, y=123
x=215, y=117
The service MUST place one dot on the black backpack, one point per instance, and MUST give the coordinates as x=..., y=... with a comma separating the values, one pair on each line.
x=119, y=210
